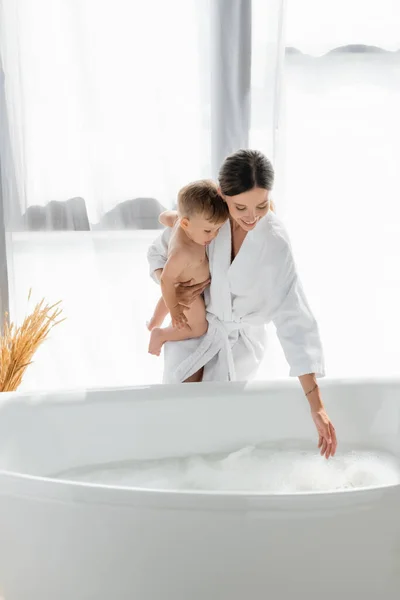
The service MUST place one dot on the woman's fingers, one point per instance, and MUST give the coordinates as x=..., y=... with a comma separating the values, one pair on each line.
x=197, y=286
x=182, y=322
x=188, y=292
x=334, y=439
x=329, y=442
x=326, y=440
x=324, y=446
x=186, y=283
x=179, y=321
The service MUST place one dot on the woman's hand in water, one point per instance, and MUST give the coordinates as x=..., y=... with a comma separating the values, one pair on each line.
x=187, y=292
x=327, y=442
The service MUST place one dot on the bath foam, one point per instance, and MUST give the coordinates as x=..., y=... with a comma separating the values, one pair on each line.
x=251, y=469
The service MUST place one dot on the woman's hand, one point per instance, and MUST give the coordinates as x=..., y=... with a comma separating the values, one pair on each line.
x=187, y=292
x=178, y=317
x=327, y=441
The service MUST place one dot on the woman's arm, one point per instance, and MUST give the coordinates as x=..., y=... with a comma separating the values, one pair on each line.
x=185, y=292
x=295, y=323
x=298, y=333
x=157, y=256
x=312, y=392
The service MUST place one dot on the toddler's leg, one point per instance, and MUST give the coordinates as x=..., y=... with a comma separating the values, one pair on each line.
x=197, y=322
x=159, y=315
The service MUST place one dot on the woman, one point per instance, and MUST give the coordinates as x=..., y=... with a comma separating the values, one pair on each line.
x=253, y=282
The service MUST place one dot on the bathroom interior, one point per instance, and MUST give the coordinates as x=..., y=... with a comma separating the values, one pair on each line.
x=113, y=483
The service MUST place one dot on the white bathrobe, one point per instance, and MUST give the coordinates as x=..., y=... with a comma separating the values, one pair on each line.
x=261, y=285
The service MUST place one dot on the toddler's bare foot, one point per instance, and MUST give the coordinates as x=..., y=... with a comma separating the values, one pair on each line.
x=156, y=341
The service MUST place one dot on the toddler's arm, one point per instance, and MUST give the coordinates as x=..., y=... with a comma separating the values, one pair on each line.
x=168, y=218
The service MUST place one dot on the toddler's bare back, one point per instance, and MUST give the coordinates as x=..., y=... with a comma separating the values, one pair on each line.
x=197, y=268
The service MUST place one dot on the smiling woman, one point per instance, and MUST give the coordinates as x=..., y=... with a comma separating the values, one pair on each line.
x=246, y=180
x=253, y=281
x=248, y=208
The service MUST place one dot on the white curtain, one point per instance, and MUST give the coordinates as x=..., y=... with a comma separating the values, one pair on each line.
x=317, y=26
x=342, y=151
x=109, y=108
x=106, y=101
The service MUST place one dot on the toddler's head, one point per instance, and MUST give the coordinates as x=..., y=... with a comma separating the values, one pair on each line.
x=202, y=211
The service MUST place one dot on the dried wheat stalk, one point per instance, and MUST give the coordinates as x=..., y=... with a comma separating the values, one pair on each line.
x=18, y=344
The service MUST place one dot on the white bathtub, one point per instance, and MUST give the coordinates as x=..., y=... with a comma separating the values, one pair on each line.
x=61, y=540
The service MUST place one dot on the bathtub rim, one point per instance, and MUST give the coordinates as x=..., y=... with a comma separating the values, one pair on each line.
x=50, y=489
x=89, y=394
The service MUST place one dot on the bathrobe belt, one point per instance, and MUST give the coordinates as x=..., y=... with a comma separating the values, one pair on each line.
x=225, y=328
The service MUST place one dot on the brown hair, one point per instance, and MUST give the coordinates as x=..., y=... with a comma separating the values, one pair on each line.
x=244, y=170
x=202, y=198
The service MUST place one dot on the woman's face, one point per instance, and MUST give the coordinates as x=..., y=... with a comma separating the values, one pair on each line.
x=248, y=208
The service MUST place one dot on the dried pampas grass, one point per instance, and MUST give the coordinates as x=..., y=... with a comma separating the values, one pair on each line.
x=18, y=344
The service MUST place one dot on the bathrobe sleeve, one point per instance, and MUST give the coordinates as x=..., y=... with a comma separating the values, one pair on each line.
x=295, y=324
x=158, y=252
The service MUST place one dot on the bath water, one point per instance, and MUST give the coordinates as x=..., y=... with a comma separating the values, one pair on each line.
x=250, y=469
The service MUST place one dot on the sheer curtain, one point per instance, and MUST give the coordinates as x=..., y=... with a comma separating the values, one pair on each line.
x=342, y=151
x=104, y=101
x=316, y=27
x=108, y=109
